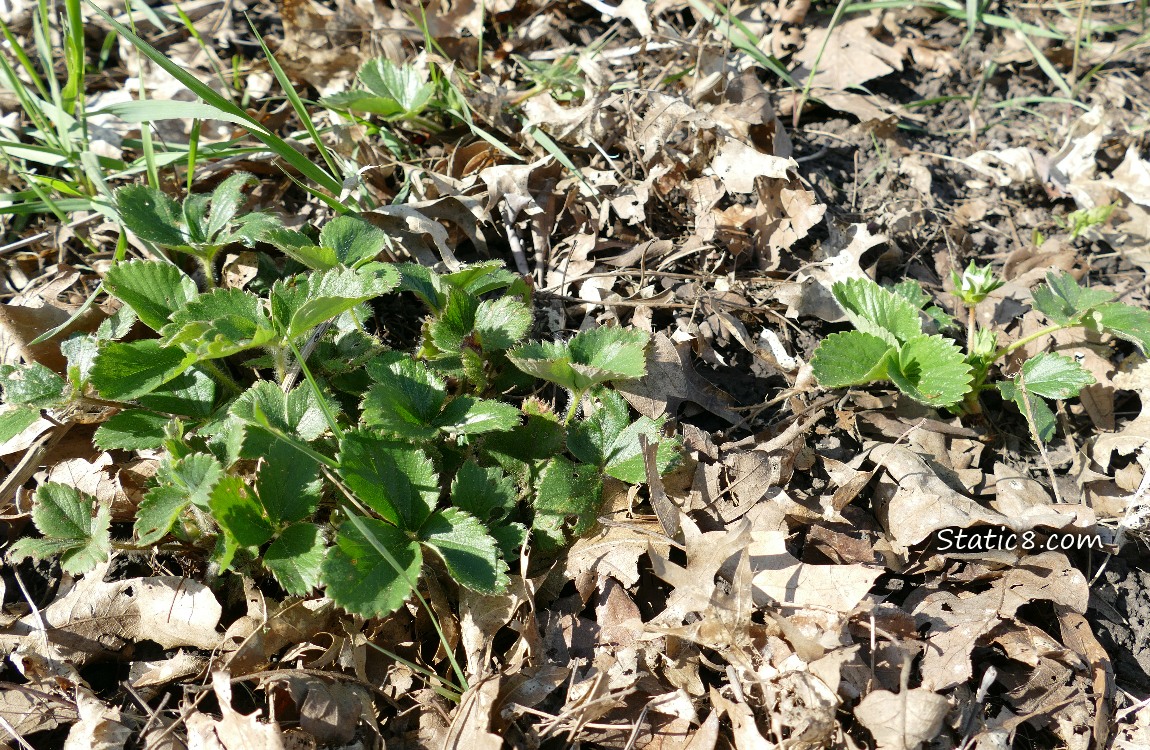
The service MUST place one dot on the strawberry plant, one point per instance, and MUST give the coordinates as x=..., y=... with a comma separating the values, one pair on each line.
x=381, y=463
x=890, y=344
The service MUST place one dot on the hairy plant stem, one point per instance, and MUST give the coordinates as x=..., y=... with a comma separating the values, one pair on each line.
x=1000, y=353
x=226, y=380
x=576, y=399
x=970, y=328
x=207, y=262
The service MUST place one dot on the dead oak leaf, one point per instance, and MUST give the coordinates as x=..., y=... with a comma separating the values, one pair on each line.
x=738, y=164
x=958, y=621
x=822, y=595
x=852, y=55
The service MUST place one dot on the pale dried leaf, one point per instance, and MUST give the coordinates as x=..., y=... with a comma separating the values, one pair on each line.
x=100, y=727
x=902, y=721
x=95, y=618
x=233, y=731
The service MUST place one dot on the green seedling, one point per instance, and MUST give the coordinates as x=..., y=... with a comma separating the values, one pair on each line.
x=1081, y=221
x=396, y=93
x=889, y=344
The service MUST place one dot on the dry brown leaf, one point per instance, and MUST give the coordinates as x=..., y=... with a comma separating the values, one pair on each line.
x=959, y=621
x=100, y=727
x=818, y=595
x=738, y=164
x=838, y=259
x=471, y=725
x=328, y=710
x=28, y=710
x=744, y=730
x=902, y=721
x=852, y=55
x=95, y=619
x=481, y=617
x=150, y=674
x=913, y=502
x=20, y=325
x=671, y=380
x=233, y=731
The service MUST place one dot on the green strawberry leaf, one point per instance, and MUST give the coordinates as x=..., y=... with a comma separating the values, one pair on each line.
x=219, y=324
x=1124, y=321
x=288, y=483
x=124, y=371
x=192, y=394
x=468, y=550
x=912, y=292
x=238, y=513
x=158, y=512
x=402, y=84
x=486, y=493
x=406, y=398
x=523, y=452
x=151, y=215
x=131, y=430
x=1037, y=412
x=180, y=482
x=301, y=304
x=353, y=240
x=152, y=289
x=65, y=518
x=590, y=358
x=227, y=199
x=1062, y=299
x=931, y=370
x=424, y=283
x=296, y=413
x=454, y=323
x=372, y=567
x=118, y=324
x=393, y=478
x=1054, y=376
x=465, y=415
x=296, y=557
x=877, y=311
x=608, y=439
x=15, y=420
x=851, y=358
x=480, y=278
x=501, y=323
x=358, y=100
x=80, y=351
x=566, y=502
x=32, y=385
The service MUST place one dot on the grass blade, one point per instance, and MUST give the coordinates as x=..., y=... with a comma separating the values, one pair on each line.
x=278, y=145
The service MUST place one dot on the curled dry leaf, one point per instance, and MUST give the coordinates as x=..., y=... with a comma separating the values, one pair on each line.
x=100, y=727
x=671, y=380
x=914, y=502
x=28, y=710
x=958, y=621
x=471, y=725
x=233, y=731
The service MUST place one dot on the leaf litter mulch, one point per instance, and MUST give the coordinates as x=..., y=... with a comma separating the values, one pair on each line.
x=642, y=167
